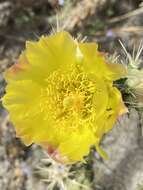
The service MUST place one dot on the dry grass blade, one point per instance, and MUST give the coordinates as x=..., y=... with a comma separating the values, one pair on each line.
x=127, y=15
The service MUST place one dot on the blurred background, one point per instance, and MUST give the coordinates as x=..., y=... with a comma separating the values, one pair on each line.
x=105, y=22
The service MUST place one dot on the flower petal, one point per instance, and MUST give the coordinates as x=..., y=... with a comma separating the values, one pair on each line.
x=94, y=62
x=13, y=72
x=52, y=52
x=77, y=145
x=117, y=71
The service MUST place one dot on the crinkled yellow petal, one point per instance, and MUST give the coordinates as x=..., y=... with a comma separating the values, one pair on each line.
x=22, y=105
x=100, y=97
x=115, y=108
x=92, y=61
x=117, y=71
x=95, y=63
x=116, y=102
x=78, y=144
x=52, y=52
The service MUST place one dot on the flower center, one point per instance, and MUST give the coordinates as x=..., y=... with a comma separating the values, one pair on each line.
x=68, y=95
x=74, y=102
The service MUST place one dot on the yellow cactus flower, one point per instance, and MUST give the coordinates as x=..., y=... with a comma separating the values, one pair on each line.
x=60, y=95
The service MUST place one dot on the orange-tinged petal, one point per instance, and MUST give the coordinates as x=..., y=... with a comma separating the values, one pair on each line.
x=20, y=66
